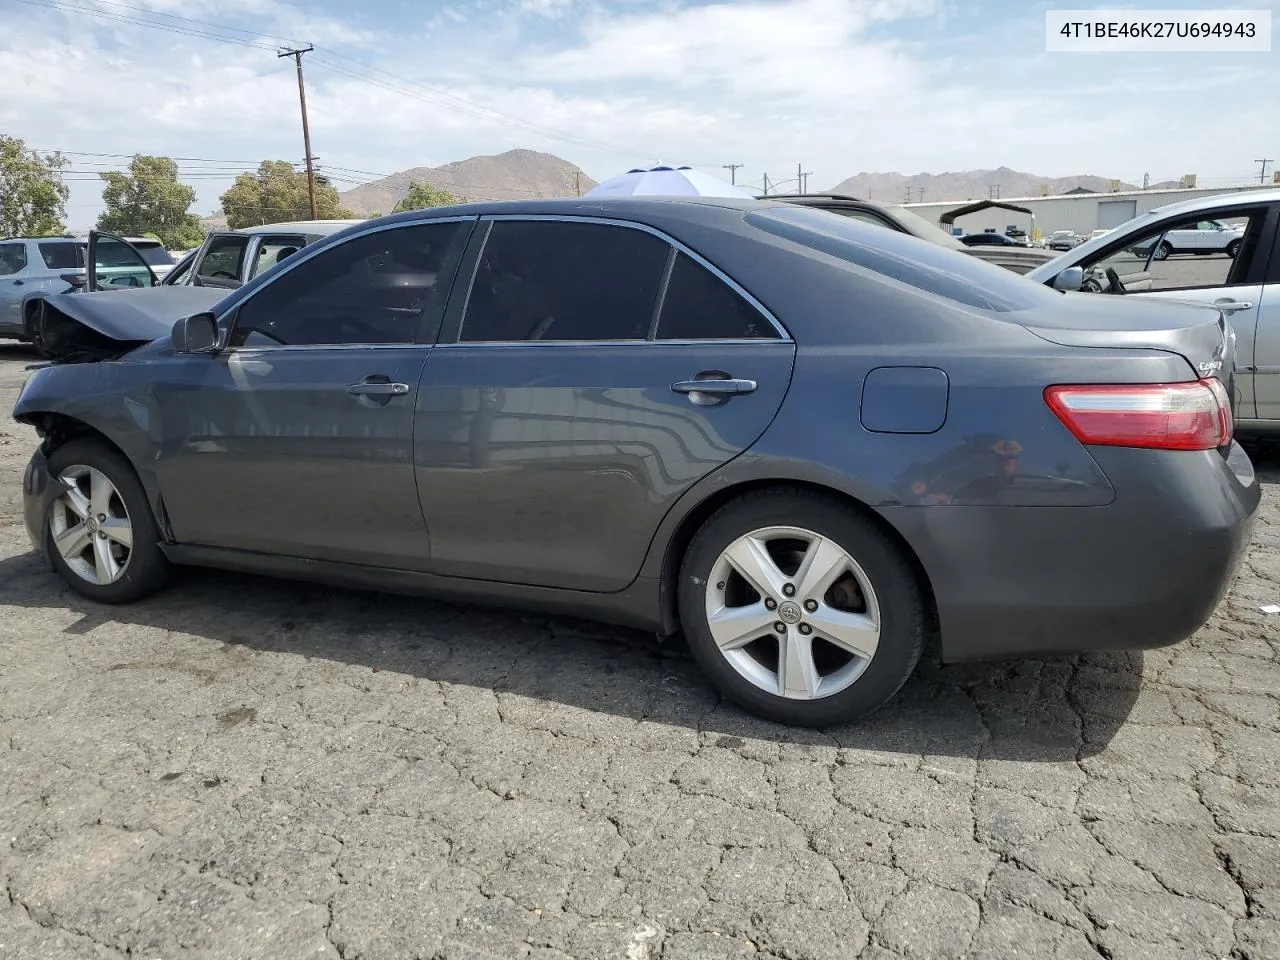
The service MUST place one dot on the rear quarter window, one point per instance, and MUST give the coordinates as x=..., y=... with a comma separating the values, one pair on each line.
x=959, y=277
x=62, y=255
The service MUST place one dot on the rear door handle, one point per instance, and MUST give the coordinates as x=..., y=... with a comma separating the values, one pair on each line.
x=720, y=388
x=378, y=388
x=1233, y=306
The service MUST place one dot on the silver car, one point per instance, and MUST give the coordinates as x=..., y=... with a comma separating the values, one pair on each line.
x=1241, y=278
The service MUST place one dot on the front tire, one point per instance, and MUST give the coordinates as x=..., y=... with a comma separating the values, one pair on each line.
x=799, y=609
x=1163, y=251
x=100, y=533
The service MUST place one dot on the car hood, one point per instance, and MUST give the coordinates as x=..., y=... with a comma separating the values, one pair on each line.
x=135, y=315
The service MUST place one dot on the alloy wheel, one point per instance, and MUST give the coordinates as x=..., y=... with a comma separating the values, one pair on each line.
x=90, y=525
x=792, y=612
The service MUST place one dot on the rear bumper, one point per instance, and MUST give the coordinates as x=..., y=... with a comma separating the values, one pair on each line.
x=1146, y=570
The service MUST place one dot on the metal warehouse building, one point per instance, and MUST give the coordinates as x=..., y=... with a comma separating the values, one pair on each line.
x=1081, y=212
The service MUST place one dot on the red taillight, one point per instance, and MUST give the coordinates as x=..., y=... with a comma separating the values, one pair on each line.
x=1162, y=416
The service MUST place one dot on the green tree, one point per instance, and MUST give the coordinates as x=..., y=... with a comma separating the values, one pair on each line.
x=33, y=198
x=278, y=194
x=422, y=195
x=150, y=200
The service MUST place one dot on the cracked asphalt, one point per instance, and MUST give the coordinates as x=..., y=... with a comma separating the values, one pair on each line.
x=241, y=768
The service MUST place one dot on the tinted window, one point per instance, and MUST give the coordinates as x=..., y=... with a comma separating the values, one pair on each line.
x=556, y=280
x=155, y=254
x=63, y=255
x=223, y=263
x=945, y=273
x=375, y=288
x=13, y=257
x=700, y=306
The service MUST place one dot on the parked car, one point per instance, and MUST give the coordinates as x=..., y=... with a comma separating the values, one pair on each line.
x=1242, y=280
x=226, y=259
x=1063, y=240
x=990, y=240
x=36, y=266
x=1200, y=239
x=803, y=440
x=902, y=220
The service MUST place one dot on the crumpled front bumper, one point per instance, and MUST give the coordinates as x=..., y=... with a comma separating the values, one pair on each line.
x=38, y=492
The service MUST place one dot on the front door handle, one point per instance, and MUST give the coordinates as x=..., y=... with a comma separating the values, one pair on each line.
x=378, y=388
x=727, y=387
x=1233, y=306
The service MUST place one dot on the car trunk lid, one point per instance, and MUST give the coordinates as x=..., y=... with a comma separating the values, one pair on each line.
x=1196, y=332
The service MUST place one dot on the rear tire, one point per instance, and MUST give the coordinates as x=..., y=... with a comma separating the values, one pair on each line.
x=806, y=674
x=1163, y=251
x=102, y=536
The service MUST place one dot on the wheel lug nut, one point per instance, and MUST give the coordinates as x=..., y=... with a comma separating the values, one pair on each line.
x=789, y=589
x=780, y=627
x=811, y=605
x=720, y=585
x=102, y=517
x=806, y=629
x=770, y=603
x=101, y=535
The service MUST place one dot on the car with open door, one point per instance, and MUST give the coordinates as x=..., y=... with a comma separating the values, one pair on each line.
x=114, y=265
x=806, y=442
x=1240, y=277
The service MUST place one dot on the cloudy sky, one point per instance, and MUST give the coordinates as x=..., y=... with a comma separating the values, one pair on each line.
x=841, y=86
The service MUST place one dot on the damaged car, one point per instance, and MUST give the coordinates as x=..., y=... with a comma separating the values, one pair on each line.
x=608, y=408
x=113, y=265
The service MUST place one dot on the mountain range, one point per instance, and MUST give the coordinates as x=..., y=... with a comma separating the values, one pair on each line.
x=973, y=185
x=514, y=175
x=519, y=174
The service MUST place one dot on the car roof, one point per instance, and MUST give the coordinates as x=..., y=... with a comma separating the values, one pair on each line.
x=1218, y=201
x=314, y=227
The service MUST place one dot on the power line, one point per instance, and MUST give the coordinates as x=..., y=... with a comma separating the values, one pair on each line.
x=434, y=95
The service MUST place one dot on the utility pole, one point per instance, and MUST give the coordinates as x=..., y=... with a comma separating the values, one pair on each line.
x=908, y=200
x=800, y=176
x=920, y=199
x=766, y=184
x=733, y=169
x=1262, y=177
x=577, y=182
x=1146, y=180
x=306, y=131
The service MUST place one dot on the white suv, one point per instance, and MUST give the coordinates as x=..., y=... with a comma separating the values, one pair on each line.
x=1204, y=237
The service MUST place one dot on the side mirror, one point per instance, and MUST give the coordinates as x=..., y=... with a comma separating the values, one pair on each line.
x=196, y=334
x=1069, y=279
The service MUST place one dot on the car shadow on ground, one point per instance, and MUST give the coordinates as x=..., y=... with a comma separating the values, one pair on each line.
x=1050, y=710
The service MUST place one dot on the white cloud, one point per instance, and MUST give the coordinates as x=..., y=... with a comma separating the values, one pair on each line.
x=839, y=85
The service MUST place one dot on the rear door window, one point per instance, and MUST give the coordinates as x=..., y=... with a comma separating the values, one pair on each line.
x=561, y=280
x=700, y=306
x=223, y=262
x=275, y=249
x=62, y=254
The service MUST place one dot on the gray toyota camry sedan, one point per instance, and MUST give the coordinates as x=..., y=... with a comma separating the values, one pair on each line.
x=805, y=442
